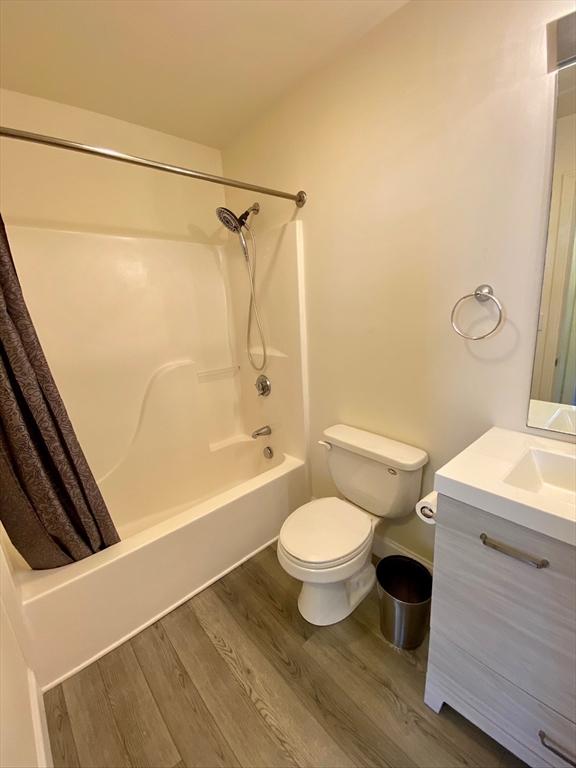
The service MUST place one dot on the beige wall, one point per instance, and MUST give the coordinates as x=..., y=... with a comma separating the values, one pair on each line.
x=23, y=737
x=425, y=152
x=17, y=746
x=42, y=186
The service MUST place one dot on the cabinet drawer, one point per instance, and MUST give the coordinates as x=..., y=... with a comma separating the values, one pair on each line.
x=499, y=706
x=516, y=619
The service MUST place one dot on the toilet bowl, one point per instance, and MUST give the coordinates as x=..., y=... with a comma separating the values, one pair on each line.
x=327, y=543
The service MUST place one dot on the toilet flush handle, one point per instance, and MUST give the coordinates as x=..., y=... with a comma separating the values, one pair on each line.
x=326, y=445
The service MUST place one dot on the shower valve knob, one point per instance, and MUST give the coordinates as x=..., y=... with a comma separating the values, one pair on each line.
x=263, y=386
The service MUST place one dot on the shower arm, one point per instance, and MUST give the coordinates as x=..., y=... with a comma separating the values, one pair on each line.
x=51, y=141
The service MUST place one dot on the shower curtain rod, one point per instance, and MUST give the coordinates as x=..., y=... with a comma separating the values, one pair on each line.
x=37, y=138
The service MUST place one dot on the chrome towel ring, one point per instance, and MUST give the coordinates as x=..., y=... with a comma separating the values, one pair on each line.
x=482, y=293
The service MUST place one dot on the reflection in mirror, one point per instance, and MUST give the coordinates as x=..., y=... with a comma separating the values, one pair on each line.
x=553, y=393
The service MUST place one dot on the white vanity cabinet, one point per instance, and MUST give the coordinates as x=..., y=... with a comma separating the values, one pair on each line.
x=503, y=632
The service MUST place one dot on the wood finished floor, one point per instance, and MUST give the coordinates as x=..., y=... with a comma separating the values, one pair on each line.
x=236, y=677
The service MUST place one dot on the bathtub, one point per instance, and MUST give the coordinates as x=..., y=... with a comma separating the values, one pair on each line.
x=79, y=612
x=153, y=381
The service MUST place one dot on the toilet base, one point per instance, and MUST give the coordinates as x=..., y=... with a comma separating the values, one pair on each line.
x=324, y=604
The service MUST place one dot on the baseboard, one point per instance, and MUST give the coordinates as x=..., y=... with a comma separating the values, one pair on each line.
x=384, y=547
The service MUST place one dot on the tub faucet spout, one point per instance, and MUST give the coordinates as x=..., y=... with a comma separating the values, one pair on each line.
x=261, y=432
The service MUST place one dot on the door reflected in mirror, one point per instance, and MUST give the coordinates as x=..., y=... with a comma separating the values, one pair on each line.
x=553, y=392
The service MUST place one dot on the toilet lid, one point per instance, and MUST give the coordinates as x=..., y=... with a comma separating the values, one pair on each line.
x=325, y=530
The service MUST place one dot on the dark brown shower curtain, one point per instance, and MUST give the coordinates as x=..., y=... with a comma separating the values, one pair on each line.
x=50, y=504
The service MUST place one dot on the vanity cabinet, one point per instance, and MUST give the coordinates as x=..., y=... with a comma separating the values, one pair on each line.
x=503, y=632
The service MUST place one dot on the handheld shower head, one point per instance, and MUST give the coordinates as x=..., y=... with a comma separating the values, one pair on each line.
x=228, y=219
x=236, y=224
x=231, y=221
x=233, y=224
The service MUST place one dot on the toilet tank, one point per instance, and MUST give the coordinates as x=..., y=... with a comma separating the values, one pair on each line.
x=380, y=475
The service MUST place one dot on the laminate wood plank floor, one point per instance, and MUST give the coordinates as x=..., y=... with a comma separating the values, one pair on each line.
x=236, y=677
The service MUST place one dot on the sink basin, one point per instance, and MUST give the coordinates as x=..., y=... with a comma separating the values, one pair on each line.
x=521, y=477
x=545, y=472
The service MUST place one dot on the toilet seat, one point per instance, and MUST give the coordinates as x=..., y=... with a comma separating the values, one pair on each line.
x=331, y=565
x=325, y=533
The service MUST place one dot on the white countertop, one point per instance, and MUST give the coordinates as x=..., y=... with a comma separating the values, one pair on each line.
x=477, y=477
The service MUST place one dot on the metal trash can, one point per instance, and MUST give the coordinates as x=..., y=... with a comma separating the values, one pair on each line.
x=404, y=596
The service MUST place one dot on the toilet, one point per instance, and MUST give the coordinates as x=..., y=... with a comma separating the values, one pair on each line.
x=327, y=543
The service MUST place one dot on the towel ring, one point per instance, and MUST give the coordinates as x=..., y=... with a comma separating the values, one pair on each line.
x=482, y=293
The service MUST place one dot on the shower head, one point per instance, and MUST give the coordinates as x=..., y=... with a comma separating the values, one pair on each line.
x=231, y=221
x=235, y=223
x=228, y=219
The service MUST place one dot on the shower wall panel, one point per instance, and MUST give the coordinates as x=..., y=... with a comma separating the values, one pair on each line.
x=121, y=319
x=281, y=299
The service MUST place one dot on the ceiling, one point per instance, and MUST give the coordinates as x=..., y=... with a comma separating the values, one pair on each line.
x=200, y=69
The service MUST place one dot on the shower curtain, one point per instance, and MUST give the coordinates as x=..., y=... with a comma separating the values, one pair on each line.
x=50, y=504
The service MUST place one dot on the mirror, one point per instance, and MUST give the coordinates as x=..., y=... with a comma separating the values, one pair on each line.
x=553, y=392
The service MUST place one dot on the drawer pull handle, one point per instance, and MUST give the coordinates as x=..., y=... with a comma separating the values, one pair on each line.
x=517, y=554
x=548, y=744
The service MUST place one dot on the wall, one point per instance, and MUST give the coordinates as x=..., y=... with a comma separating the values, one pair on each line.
x=17, y=747
x=426, y=152
x=43, y=186
x=23, y=734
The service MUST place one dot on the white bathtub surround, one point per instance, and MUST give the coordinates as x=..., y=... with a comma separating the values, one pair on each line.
x=154, y=375
x=280, y=293
x=163, y=407
x=170, y=462
x=113, y=314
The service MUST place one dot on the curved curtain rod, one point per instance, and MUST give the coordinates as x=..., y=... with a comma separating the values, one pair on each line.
x=51, y=141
